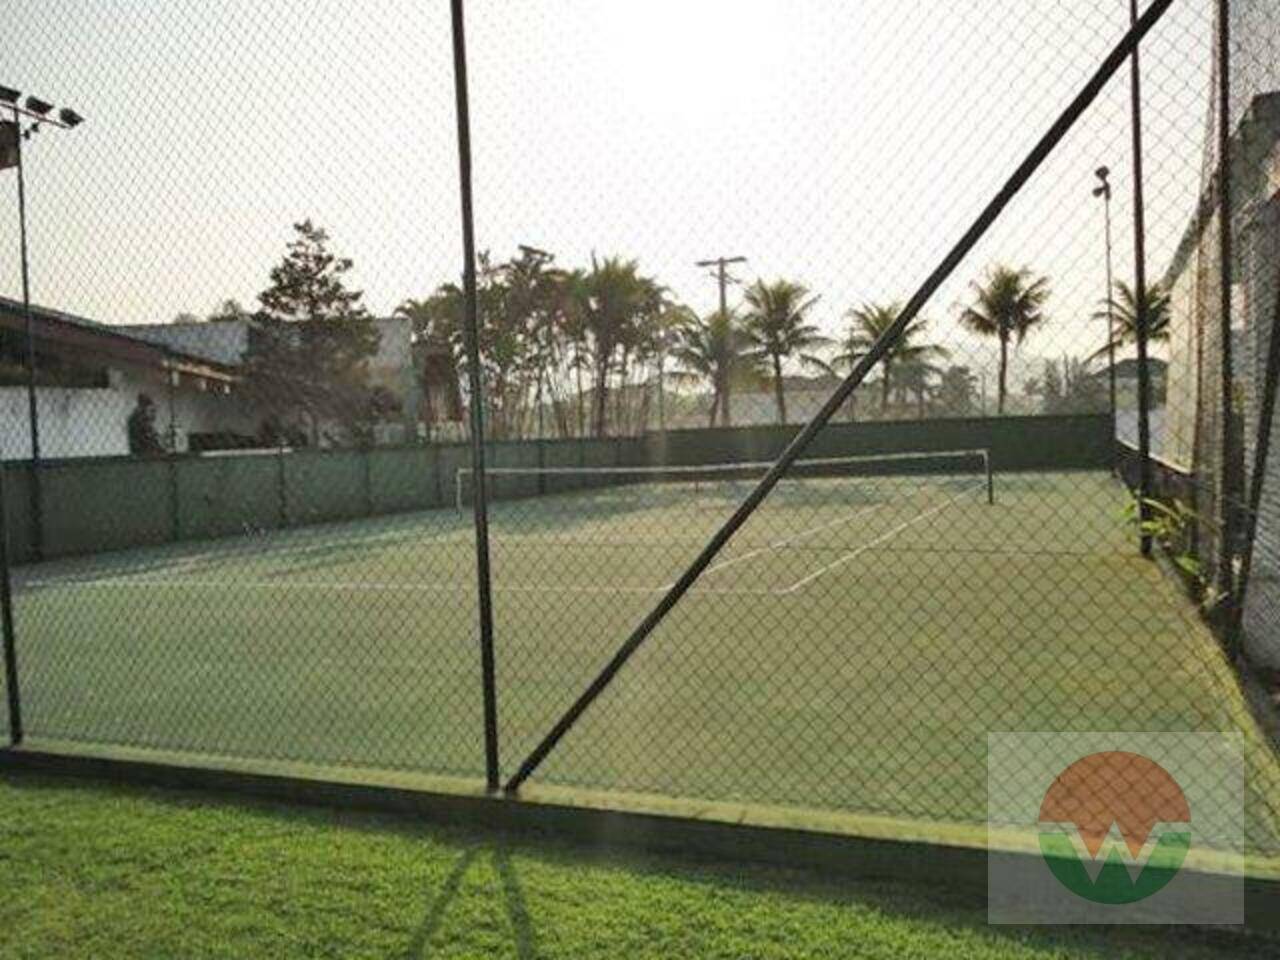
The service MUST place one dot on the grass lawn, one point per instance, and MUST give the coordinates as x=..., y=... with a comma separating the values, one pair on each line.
x=850, y=651
x=91, y=870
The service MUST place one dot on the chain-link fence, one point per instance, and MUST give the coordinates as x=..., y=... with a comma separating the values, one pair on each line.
x=250, y=515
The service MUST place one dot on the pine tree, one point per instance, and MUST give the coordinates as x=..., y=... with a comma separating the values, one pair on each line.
x=306, y=366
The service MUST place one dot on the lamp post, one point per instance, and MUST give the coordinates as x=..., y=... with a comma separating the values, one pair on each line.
x=38, y=114
x=1103, y=190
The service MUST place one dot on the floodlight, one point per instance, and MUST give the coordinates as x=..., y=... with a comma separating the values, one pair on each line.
x=9, y=95
x=69, y=117
x=38, y=106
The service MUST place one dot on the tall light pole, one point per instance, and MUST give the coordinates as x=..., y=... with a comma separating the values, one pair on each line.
x=38, y=114
x=722, y=276
x=1103, y=190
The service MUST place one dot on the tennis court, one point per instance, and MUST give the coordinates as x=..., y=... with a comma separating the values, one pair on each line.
x=849, y=650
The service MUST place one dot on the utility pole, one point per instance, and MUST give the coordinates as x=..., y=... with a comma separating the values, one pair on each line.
x=722, y=276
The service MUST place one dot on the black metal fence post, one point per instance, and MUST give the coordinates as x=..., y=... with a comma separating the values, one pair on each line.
x=472, y=333
x=1230, y=472
x=1140, y=294
x=16, y=731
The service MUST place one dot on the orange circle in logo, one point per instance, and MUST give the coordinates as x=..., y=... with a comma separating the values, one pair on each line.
x=1126, y=789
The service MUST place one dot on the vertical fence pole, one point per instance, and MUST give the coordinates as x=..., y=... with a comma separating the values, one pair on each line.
x=175, y=507
x=1140, y=294
x=6, y=623
x=471, y=328
x=1111, y=320
x=33, y=415
x=1229, y=474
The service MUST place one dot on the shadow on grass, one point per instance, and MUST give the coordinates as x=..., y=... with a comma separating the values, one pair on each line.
x=938, y=906
x=517, y=909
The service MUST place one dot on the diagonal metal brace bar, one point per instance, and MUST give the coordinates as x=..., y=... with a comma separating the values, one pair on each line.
x=1039, y=153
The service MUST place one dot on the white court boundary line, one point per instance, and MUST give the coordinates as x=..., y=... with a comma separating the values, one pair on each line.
x=114, y=580
x=884, y=537
x=371, y=587
x=778, y=545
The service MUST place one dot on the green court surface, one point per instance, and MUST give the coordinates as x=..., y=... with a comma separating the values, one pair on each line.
x=848, y=652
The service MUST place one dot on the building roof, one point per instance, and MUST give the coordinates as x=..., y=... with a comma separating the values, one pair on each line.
x=219, y=341
x=106, y=341
x=220, y=344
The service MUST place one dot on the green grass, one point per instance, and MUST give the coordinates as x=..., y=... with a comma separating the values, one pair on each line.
x=108, y=871
x=852, y=654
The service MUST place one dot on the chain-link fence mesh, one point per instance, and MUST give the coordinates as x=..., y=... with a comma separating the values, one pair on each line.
x=246, y=526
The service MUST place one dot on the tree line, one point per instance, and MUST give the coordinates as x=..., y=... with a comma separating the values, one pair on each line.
x=583, y=347
x=580, y=351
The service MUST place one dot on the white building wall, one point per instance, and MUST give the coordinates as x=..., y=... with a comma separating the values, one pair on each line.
x=76, y=422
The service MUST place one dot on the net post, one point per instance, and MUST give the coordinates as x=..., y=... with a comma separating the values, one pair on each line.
x=471, y=331
x=991, y=477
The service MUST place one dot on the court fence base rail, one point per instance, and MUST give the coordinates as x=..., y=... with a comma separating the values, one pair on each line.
x=838, y=857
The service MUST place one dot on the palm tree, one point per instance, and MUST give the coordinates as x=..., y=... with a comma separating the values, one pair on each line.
x=664, y=329
x=716, y=350
x=613, y=296
x=570, y=297
x=1007, y=306
x=870, y=322
x=1122, y=311
x=957, y=391
x=913, y=379
x=775, y=326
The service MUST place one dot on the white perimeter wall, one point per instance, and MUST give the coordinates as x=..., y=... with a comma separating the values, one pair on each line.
x=94, y=423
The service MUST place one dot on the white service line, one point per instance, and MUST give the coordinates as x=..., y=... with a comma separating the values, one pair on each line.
x=252, y=548
x=725, y=564
x=840, y=561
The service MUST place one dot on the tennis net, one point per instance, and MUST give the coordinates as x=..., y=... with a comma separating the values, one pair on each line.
x=713, y=485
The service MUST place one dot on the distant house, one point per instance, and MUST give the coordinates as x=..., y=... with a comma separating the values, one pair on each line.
x=90, y=376
x=393, y=367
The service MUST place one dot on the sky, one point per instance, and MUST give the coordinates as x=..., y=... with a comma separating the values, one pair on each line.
x=843, y=145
